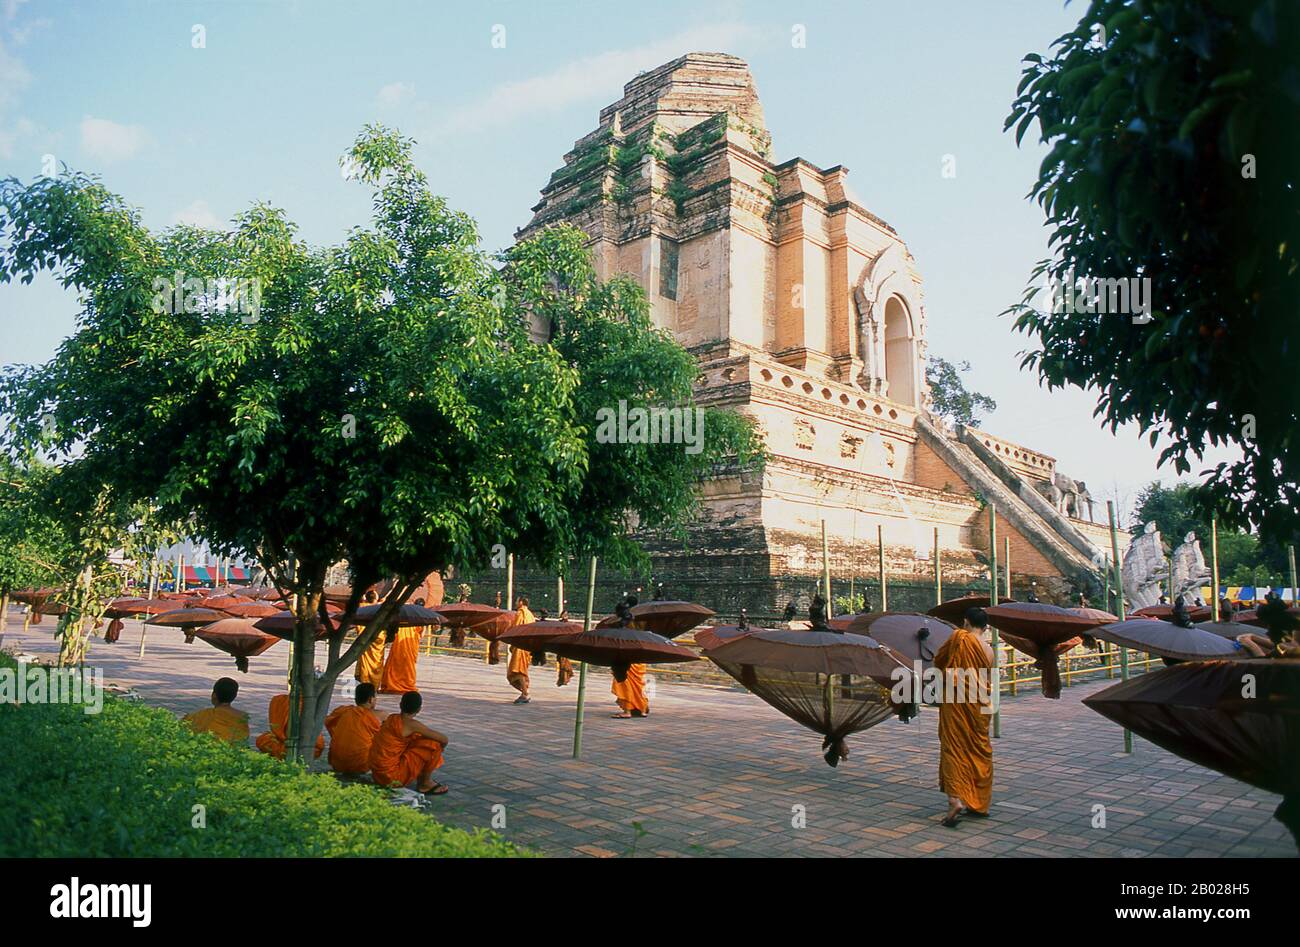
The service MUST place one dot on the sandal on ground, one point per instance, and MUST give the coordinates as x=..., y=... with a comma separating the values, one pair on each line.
x=623, y=716
x=950, y=822
x=523, y=700
x=437, y=789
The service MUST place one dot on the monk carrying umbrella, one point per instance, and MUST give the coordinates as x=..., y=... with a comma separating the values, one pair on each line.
x=965, y=753
x=517, y=669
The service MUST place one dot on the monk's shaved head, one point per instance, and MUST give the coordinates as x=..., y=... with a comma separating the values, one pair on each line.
x=225, y=690
x=365, y=693
x=977, y=618
x=412, y=702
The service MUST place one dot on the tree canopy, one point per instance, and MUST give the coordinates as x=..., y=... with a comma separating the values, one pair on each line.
x=1173, y=128
x=379, y=401
x=951, y=399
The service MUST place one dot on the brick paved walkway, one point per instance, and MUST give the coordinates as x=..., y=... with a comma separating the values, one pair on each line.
x=716, y=771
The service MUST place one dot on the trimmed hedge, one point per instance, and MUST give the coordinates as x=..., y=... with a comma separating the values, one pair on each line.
x=123, y=783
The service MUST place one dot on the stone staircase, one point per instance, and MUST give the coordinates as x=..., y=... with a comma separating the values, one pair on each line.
x=1016, y=501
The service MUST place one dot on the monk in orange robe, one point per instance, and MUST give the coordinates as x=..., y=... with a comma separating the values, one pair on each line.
x=517, y=669
x=965, y=753
x=399, y=669
x=405, y=749
x=352, y=733
x=272, y=742
x=630, y=692
x=221, y=720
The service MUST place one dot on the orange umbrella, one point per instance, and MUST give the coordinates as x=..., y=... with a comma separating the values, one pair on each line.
x=1042, y=631
x=238, y=637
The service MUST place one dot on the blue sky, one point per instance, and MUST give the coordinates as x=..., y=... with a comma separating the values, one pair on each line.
x=281, y=88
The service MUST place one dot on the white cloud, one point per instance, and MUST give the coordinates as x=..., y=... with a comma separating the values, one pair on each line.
x=13, y=76
x=590, y=78
x=395, y=94
x=198, y=214
x=110, y=141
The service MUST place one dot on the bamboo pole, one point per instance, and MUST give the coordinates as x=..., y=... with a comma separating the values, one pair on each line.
x=154, y=567
x=1290, y=554
x=1006, y=566
x=884, y=578
x=993, y=599
x=938, y=570
x=582, y=666
x=180, y=574
x=1119, y=595
x=826, y=572
x=559, y=595
x=4, y=612
x=510, y=580
x=1214, y=562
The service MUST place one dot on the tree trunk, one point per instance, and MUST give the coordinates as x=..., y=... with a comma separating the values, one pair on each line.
x=303, y=692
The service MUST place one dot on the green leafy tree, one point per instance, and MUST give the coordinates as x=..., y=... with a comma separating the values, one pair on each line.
x=378, y=402
x=1173, y=128
x=951, y=400
x=29, y=538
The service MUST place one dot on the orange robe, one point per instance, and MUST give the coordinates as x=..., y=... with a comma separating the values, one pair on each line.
x=224, y=723
x=517, y=669
x=397, y=758
x=272, y=742
x=370, y=666
x=965, y=753
x=352, y=732
x=399, y=671
x=631, y=693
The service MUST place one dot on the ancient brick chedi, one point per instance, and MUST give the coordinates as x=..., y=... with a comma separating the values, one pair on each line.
x=807, y=313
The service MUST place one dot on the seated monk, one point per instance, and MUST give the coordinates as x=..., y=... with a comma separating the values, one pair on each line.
x=406, y=750
x=272, y=742
x=352, y=731
x=221, y=720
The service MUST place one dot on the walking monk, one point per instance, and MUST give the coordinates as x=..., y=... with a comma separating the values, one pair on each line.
x=370, y=666
x=628, y=687
x=965, y=753
x=517, y=669
x=272, y=742
x=221, y=720
x=399, y=670
x=406, y=750
x=352, y=732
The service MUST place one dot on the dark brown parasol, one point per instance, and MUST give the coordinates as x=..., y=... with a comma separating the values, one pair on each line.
x=667, y=619
x=1239, y=718
x=238, y=637
x=833, y=683
x=954, y=610
x=912, y=636
x=1041, y=630
x=1167, y=639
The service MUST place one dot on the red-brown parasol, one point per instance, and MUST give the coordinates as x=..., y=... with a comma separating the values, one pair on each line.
x=1040, y=630
x=406, y=616
x=461, y=617
x=1167, y=639
x=668, y=619
x=252, y=610
x=281, y=624
x=1251, y=616
x=617, y=648
x=186, y=619
x=1201, y=712
x=912, y=636
x=124, y=607
x=223, y=602
x=954, y=610
x=713, y=636
x=1227, y=629
x=1166, y=612
x=238, y=637
x=833, y=683
x=538, y=635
